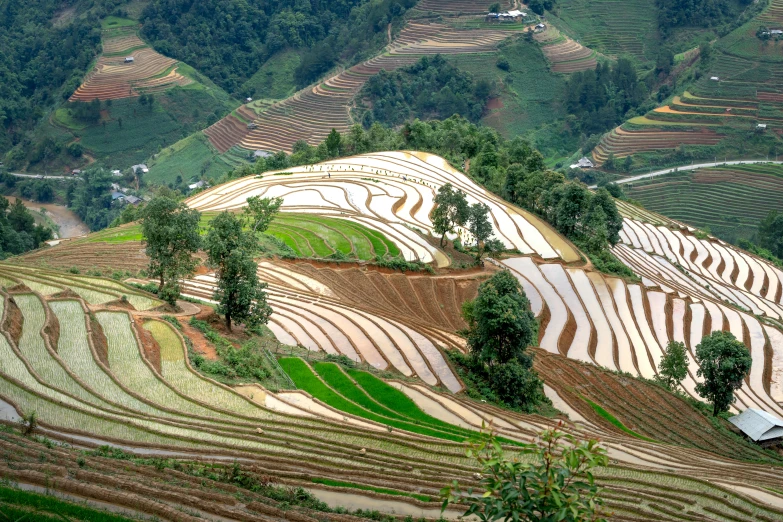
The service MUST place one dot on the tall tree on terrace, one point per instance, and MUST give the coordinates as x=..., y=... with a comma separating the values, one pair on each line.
x=673, y=367
x=171, y=233
x=724, y=362
x=230, y=252
x=451, y=211
x=481, y=227
x=261, y=211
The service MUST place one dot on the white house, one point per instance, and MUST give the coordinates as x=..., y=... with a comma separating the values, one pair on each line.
x=141, y=167
x=198, y=185
x=129, y=59
x=714, y=78
x=583, y=163
x=758, y=425
x=262, y=154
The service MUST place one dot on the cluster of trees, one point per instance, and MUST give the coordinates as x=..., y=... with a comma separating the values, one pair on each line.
x=602, y=98
x=770, y=234
x=91, y=200
x=172, y=236
x=228, y=41
x=724, y=362
x=18, y=231
x=501, y=327
x=432, y=88
x=696, y=13
x=453, y=211
x=41, y=64
x=89, y=112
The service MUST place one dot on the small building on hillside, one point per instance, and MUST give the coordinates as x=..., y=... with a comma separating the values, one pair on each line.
x=76, y=172
x=540, y=27
x=117, y=196
x=262, y=154
x=761, y=127
x=116, y=173
x=248, y=99
x=583, y=163
x=140, y=168
x=133, y=200
x=129, y=59
x=714, y=78
x=198, y=185
x=507, y=16
x=759, y=426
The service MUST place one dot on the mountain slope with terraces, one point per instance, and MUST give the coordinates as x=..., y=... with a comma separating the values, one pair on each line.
x=731, y=107
x=99, y=369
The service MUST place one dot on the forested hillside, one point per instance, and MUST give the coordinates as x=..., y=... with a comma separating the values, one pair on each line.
x=230, y=40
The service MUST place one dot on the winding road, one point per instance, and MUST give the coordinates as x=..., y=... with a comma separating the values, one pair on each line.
x=688, y=167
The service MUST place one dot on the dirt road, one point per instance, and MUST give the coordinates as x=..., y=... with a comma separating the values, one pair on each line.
x=70, y=224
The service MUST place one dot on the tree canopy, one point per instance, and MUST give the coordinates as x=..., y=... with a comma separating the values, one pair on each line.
x=170, y=231
x=230, y=251
x=18, y=231
x=724, y=362
x=451, y=210
x=432, y=88
x=673, y=367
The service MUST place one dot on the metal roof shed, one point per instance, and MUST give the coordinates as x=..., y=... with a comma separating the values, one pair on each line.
x=758, y=425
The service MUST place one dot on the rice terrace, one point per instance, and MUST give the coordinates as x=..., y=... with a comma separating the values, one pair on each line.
x=391, y=260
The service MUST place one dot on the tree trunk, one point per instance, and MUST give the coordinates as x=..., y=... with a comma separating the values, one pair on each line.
x=160, y=286
x=715, y=409
x=442, y=238
x=228, y=322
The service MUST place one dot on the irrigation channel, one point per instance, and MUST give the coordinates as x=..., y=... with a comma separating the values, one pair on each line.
x=689, y=167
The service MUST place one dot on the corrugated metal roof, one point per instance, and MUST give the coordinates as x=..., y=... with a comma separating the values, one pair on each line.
x=758, y=425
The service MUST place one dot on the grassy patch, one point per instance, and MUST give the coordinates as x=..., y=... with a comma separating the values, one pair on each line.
x=615, y=422
x=189, y=158
x=341, y=484
x=113, y=22
x=305, y=379
x=275, y=79
x=17, y=504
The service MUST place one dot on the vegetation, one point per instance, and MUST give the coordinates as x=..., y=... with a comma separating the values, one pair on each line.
x=432, y=88
x=170, y=232
x=41, y=64
x=500, y=329
x=91, y=198
x=230, y=252
x=703, y=13
x=673, y=367
x=451, y=211
x=724, y=362
x=324, y=32
x=770, y=234
x=552, y=480
x=20, y=505
x=246, y=362
x=18, y=231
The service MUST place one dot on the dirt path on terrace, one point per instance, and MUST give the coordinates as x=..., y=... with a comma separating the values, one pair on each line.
x=70, y=224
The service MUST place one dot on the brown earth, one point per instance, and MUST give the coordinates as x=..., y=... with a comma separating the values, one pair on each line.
x=149, y=345
x=99, y=341
x=13, y=320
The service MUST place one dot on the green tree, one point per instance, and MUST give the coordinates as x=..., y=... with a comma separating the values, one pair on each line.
x=673, y=367
x=261, y=212
x=451, y=211
x=494, y=8
x=171, y=233
x=550, y=481
x=480, y=226
x=770, y=233
x=334, y=144
x=504, y=325
x=230, y=249
x=724, y=362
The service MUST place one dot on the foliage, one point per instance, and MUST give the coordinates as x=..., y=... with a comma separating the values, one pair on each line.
x=41, y=63
x=91, y=199
x=261, y=211
x=770, y=233
x=246, y=362
x=451, y=211
x=18, y=231
x=673, y=367
x=724, y=362
x=553, y=483
x=230, y=251
x=602, y=98
x=501, y=326
x=230, y=40
x=696, y=13
x=170, y=231
x=432, y=88
x=28, y=423
x=30, y=506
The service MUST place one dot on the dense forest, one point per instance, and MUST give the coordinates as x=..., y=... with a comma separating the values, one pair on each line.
x=41, y=63
x=432, y=88
x=697, y=13
x=602, y=98
x=229, y=40
x=18, y=231
x=91, y=199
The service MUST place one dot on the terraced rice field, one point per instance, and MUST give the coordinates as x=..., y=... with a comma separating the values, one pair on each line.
x=657, y=136
x=112, y=78
x=313, y=112
x=391, y=193
x=728, y=200
x=611, y=27
x=564, y=54
x=746, y=93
